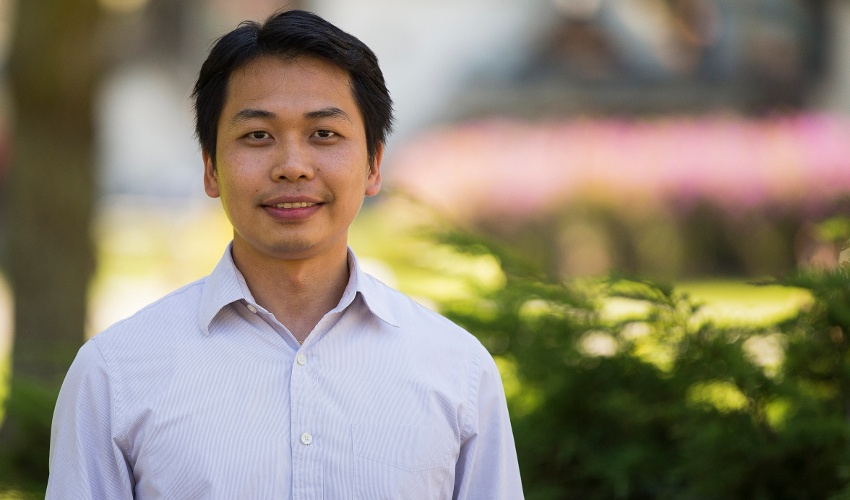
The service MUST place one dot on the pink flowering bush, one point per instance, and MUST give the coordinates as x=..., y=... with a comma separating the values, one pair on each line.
x=769, y=178
x=521, y=167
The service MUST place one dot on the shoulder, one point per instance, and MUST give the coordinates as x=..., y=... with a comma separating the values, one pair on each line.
x=182, y=302
x=136, y=352
x=154, y=327
x=89, y=363
x=446, y=354
x=418, y=323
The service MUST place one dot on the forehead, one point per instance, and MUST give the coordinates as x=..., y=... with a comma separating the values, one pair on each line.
x=291, y=84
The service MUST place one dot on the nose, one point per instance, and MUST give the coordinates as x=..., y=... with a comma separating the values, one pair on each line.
x=292, y=162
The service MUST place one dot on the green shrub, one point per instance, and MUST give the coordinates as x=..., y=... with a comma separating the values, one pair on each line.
x=663, y=404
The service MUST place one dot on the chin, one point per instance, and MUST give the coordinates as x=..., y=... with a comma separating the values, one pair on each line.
x=289, y=247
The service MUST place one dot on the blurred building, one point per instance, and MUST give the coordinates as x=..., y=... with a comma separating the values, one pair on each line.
x=660, y=56
x=451, y=61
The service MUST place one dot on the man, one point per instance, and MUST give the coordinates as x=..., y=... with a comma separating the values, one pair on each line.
x=287, y=372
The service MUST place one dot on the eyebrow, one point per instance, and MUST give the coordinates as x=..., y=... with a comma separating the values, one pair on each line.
x=329, y=112
x=250, y=113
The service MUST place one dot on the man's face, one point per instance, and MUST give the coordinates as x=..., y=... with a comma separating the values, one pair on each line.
x=291, y=163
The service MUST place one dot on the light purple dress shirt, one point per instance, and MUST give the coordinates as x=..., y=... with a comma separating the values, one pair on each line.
x=205, y=395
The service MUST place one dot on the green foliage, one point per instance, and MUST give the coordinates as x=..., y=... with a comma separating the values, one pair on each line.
x=24, y=458
x=666, y=405
x=834, y=229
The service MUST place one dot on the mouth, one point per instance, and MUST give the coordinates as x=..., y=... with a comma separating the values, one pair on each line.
x=292, y=211
x=302, y=204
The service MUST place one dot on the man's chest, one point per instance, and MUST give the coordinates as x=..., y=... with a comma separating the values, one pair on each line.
x=316, y=424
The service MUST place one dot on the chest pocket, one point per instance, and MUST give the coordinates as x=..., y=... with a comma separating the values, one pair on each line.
x=407, y=447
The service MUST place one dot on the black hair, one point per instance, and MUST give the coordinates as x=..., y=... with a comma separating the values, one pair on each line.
x=291, y=34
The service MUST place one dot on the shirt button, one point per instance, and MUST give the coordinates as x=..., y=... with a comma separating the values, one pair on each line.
x=301, y=359
x=306, y=438
x=252, y=309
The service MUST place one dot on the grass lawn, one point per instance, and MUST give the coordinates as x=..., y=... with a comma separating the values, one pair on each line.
x=732, y=302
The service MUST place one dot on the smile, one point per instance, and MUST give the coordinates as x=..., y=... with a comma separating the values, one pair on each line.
x=294, y=205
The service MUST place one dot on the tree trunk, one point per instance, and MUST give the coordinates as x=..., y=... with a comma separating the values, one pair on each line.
x=53, y=70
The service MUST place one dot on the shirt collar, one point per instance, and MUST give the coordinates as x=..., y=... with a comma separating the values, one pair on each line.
x=226, y=285
x=374, y=293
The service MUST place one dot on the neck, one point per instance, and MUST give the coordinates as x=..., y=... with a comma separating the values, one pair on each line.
x=297, y=292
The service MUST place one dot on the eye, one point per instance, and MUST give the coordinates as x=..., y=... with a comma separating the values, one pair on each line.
x=324, y=134
x=258, y=135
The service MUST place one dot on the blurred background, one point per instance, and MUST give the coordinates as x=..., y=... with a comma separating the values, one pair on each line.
x=592, y=187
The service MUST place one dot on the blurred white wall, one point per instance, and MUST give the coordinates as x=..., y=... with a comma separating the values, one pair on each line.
x=147, y=146
x=428, y=50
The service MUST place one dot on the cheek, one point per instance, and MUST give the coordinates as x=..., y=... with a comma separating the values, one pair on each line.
x=351, y=183
x=240, y=163
x=239, y=156
x=345, y=156
x=244, y=173
x=230, y=190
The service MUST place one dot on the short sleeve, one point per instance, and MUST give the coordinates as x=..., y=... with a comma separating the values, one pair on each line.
x=85, y=462
x=487, y=467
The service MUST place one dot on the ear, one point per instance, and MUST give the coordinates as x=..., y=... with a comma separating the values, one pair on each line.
x=210, y=176
x=373, y=181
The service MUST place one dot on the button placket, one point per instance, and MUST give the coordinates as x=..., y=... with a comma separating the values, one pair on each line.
x=301, y=360
x=306, y=466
